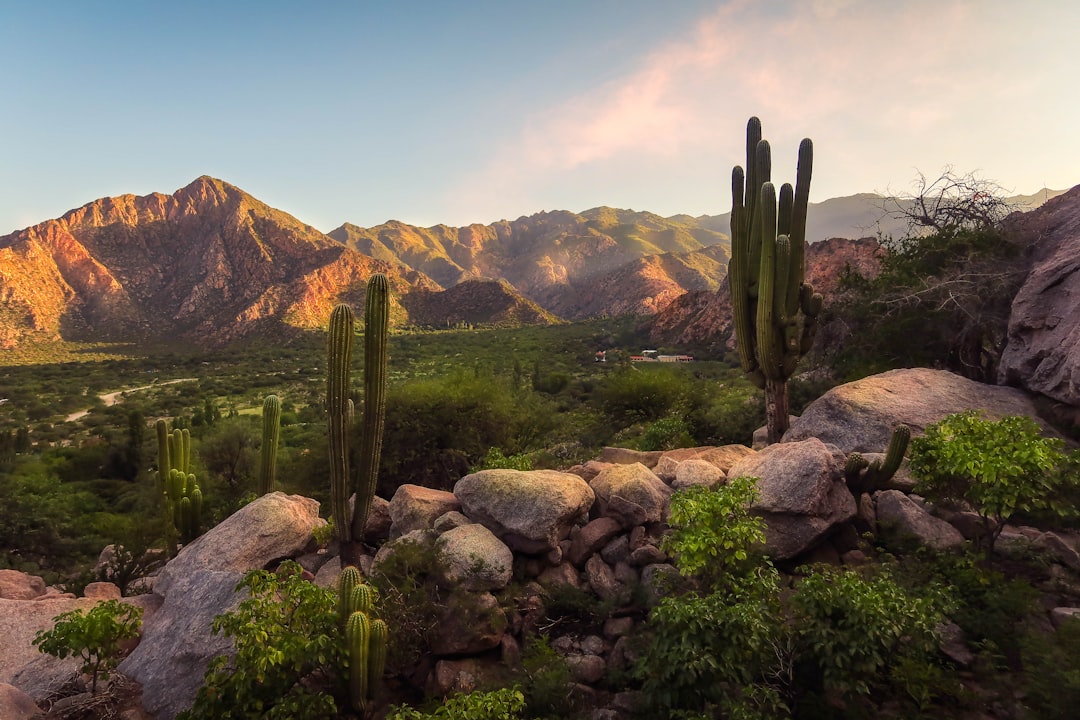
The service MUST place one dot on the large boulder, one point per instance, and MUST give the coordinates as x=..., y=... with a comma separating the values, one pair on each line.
x=803, y=493
x=16, y=705
x=414, y=507
x=471, y=555
x=632, y=494
x=902, y=523
x=530, y=511
x=20, y=620
x=861, y=416
x=1043, y=347
x=199, y=584
x=15, y=585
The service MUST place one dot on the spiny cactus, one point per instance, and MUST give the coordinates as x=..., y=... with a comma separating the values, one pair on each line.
x=339, y=357
x=358, y=641
x=162, y=429
x=271, y=430
x=377, y=650
x=774, y=310
x=376, y=353
x=347, y=580
x=867, y=476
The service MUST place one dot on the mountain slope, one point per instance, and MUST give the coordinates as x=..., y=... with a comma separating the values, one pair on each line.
x=474, y=302
x=209, y=263
x=556, y=259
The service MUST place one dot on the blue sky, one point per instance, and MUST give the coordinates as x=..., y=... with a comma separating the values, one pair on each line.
x=458, y=112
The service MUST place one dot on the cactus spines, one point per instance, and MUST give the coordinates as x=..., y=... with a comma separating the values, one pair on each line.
x=880, y=472
x=271, y=430
x=376, y=352
x=339, y=357
x=362, y=598
x=856, y=463
x=347, y=580
x=358, y=641
x=774, y=311
x=377, y=649
x=162, y=429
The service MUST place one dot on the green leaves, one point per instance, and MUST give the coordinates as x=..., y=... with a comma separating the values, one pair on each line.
x=502, y=704
x=1001, y=467
x=94, y=637
x=712, y=531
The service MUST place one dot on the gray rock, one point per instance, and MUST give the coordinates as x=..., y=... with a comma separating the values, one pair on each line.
x=471, y=555
x=590, y=538
x=632, y=494
x=449, y=521
x=696, y=471
x=861, y=416
x=803, y=493
x=1058, y=549
x=616, y=550
x=625, y=456
x=470, y=623
x=725, y=456
x=416, y=508
x=20, y=620
x=902, y=521
x=16, y=705
x=1061, y=615
x=530, y=511
x=15, y=585
x=601, y=578
x=586, y=668
x=199, y=584
x=1043, y=343
x=423, y=539
x=665, y=469
x=561, y=574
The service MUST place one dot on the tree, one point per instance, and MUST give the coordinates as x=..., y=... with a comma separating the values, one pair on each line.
x=948, y=203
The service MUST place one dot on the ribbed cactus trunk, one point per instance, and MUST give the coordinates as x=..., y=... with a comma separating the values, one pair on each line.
x=271, y=430
x=774, y=310
x=339, y=357
x=376, y=355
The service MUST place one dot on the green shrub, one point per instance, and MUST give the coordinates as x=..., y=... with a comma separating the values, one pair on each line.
x=502, y=704
x=854, y=634
x=712, y=532
x=289, y=653
x=495, y=459
x=1001, y=468
x=95, y=637
x=643, y=394
x=1052, y=672
x=666, y=434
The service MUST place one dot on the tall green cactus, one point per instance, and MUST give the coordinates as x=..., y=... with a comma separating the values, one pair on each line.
x=177, y=483
x=376, y=354
x=350, y=529
x=366, y=637
x=774, y=309
x=358, y=641
x=339, y=357
x=161, y=427
x=271, y=430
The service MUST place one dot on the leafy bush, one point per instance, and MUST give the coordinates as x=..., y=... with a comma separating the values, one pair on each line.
x=495, y=459
x=712, y=532
x=854, y=633
x=643, y=394
x=94, y=637
x=1052, y=665
x=1000, y=467
x=666, y=434
x=289, y=652
x=502, y=704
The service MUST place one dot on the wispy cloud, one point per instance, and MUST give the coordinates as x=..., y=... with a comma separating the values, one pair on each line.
x=872, y=81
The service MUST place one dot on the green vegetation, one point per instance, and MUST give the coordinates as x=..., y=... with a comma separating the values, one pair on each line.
x=95, y=637
x=1001, y=468
x=501, y=704
x=271, y=432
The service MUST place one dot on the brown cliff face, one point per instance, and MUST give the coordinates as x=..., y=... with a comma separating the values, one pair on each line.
x=207, y=264
x=474, y=302
x=704, y=319
x=601, y=261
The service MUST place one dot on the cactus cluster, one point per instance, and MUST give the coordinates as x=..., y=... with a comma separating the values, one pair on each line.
x=366, y=637
x=340, y=407
x=863, y=475
x=774, y=309
x=176, y=481
x=271, y=428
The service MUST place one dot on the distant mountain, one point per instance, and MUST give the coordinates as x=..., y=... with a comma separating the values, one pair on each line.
x=207, y=264
x=475, y=302
x=859, y=216
x=575, y=265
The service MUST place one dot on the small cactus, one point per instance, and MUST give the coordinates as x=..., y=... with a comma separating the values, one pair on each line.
x=866, y=476
x=347, y=580
x=358, y=642
x=271, y=431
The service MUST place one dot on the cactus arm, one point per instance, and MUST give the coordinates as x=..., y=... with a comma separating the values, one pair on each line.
x=339, y=356
x=347, y=580
x=162, y=429
x=358, y=640
x=377, y=650
x=376, y=354
x=271, y=430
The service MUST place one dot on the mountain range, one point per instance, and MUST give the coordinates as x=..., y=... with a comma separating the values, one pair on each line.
x=210, y=264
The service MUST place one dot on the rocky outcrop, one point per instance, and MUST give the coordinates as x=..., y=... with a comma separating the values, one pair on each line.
x=904, y=523
x=415, y=508
x=208, y=263
x=199, y=584
x=530, y=511
x=1043, y=348
x=803, y=494
x=631, y=494
x=861, y=416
